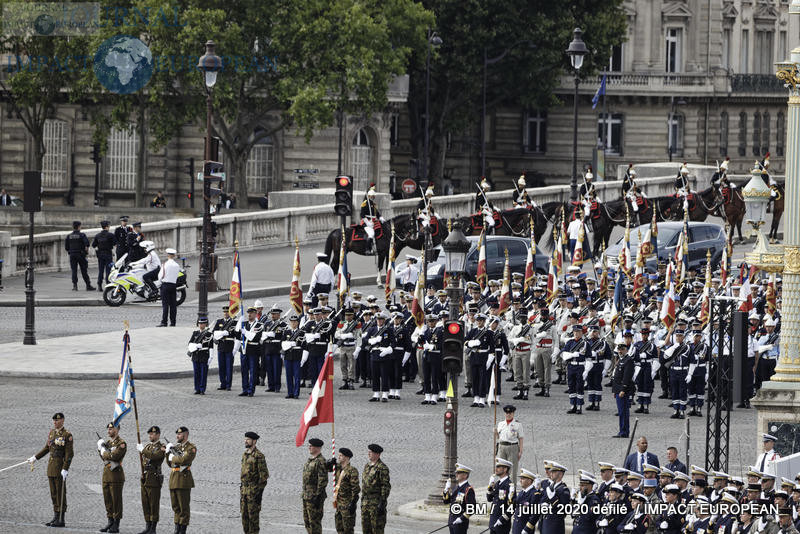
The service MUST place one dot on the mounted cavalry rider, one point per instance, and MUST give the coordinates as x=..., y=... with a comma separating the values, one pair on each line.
x=483, y=205
x=631, y=191
x=425, y=208
x=587, y=193
x=775, y=194
x=682, y=185
x=369, y=213
x=720, y=178
x=520, y=195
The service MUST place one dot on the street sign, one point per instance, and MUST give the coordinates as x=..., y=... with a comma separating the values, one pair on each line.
x=409, y=186
x=306, y=171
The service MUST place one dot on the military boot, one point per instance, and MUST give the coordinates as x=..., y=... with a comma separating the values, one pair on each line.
x=114, y=526
x=541, y=393
x=59, y=522
x=148, y=529
x=152, y=527
x=74, y=287
x=467, y=393
x=520, y=395
x=547, y=391
x=177, y=529
x=55, y=518
x=108, y=526
x=525, y=394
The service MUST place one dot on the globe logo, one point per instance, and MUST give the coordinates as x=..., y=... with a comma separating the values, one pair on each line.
x=123, y=64
x=44, y=24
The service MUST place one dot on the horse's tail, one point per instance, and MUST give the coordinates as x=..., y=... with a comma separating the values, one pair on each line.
x=331, y=244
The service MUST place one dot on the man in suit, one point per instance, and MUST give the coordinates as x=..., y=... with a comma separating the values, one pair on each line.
x=636, y=460
x=673, y=464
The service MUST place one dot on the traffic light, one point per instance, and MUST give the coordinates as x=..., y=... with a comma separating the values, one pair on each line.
x=449, y=421
x=343, y=196
x=453, y=346
x=96, y=157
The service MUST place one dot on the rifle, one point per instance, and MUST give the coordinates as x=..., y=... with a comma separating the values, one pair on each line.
x=275, y=324
x=349, y=328
x=327, y=322
x=112, y=465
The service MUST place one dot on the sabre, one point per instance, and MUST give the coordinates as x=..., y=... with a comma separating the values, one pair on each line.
x=633, y=435
x=15, y=465
x=438, y=529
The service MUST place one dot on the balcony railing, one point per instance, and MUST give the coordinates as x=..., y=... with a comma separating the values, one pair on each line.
x=756, y=83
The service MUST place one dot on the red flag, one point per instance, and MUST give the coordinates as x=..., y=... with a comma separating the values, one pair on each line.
x=745, y=296
x=320, y=403
x=481, y=275
x=530, y=270
x=295, y=292
x=667, y=313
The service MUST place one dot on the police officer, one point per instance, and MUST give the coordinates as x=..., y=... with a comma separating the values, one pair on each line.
x=181, y=482
x=462, y=495
x=375, y=487
x=134, y=238
x=498, y=494
x=121, y=236
x=251, y=331
x=103, y=243
x=315, y=479
x=576, y=353
x=77, y=246
x=112, y=451
x=60, y=447
x=253, y=481
x=624, y=387
x=199, y=349
x=224, y=332
x=152, y=479
x=509, y=439
x=347, y=490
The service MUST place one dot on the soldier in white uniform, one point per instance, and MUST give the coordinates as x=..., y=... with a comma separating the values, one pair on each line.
x=509, y=438
x=766, y=460
x=544, y=337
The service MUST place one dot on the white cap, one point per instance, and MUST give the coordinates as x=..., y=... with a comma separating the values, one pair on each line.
x=171, y=251
x=258, y=304
x=503, y=462
x=521, y=180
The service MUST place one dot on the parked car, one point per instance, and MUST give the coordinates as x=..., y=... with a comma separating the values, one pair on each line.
x=495, y=259
x=703, y=236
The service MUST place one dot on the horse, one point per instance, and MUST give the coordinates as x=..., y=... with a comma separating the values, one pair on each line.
x=701, y=205
x=511, y=222
x=777, y=212
x=733, y=210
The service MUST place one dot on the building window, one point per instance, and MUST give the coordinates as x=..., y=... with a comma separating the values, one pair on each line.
x=675, y=134
x=745, y=52
x=673, y=50
x=394, y=130
x=613, y=132
x=615, y=60
x=121, y=160
x=765, y=133
x=260, y=165
x=726, y=48
x=361, y=160
x=756, y=133
x=535, y=140
x=780, y=127
x=742, y=133
x=56, y=155
x=723, y=134
x=763, y=52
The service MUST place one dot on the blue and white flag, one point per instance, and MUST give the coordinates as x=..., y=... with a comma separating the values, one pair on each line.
x=601, y=91
x=125, y=394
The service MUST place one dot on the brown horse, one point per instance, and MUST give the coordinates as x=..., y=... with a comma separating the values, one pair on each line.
x=513, y=222
x=777, y=212
x=701, y=205
x=733, y=210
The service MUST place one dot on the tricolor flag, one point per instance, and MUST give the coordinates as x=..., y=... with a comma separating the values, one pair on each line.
x=343, y=280
x=667, y=313
x=558, y=256
x=319, y=408
x=530, y=269
x=745, y=296
x=391, y=280
x=125, y=393
x=235, y=292
x=638, y=275
x=295, y=291
x=417, y=305
x=649, y=245
x=481, y=276
x=505, y=291
x=552, y=281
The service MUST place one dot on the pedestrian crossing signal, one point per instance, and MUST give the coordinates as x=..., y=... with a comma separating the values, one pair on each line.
x=453, y=346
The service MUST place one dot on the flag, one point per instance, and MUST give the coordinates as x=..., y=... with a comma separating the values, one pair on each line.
x=530, y=269
x=625, y=258
x=558, y=257
x=705, y=305
x=601, y=91
x=745, y=296
x=577, y=254
x=124, y=401
x=681, y=257
x=481, y=276
x=235, y=292
x=638, y=275
x=295, y=291
x=343, y=280
x=619, y=293
x=505, y=291
x=667, y=313
x=770, y=296
x=603, y=284
x=723, y=264
x=552, y=281
x=491, y=396
x=391, y=279
x=654, y=234
x=417, y=307
x=319, y=408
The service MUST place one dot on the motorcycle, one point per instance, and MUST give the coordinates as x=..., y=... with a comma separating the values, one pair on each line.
x=126, y=278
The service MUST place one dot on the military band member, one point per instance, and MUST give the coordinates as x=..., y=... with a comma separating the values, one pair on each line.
x=347, y=338
x=112, y=451
x=152, y=479
x=576, y=353
x=463, y=495
x=274, y=329
x=375, y=488
x=697, y=375
x=253, y=481
x=181, y=482
x=510, y=434
x=498, y=495
x=225, y=337
x=346, y=490
x=199, y=350
x=600, y=361
x=315, y=480
x=251, y=331
x=431, y=341
x=481, y=343
x=59, y=446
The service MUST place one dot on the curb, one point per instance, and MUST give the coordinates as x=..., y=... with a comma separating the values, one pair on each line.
x=165, y=375
x=50, y=303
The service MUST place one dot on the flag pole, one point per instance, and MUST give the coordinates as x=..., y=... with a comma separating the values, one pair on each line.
x=127, y=339
x=333, y=432
x=494, y=426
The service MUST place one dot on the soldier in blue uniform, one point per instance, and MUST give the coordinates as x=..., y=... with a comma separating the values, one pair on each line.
x=610, y=521
x=500, y=357
x=576, y=354
x=441, y=303
x=498, y=495
x=697, y=374
x=274, y=329
x=401, y=354
x=586, y=523
x=379, y=341
x=636, y=522
x=645, y=354
x=463, y=495
x=670, y=521
x=524, y=500
x=251, y=331
x=431, y=341
x=198, y=350
x=606, y=479
x=555, y=493
x=294, y=355
x=121, y=236
x=677, y=355
x=624, y=388
x=600, y=357
x=481, y=342
x=224, y=332
x=317, y=339
x=103, y=243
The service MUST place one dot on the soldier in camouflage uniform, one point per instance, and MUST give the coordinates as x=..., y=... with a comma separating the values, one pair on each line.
x=112, y=451
x=152, y=479
x=181, y=481
x=375, y=492
x=253, y=481
x=345, y=492
x=59, y=446
x=315, y=478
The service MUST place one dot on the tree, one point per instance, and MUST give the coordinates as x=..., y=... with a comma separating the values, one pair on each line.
x=526, y=77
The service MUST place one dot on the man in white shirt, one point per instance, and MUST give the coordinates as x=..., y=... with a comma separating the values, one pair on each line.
x=151, y=264
x=409, y=273
x=574, y=230
x=168, y=275
x=321, y=279
x=509, y=438
x=766, y=460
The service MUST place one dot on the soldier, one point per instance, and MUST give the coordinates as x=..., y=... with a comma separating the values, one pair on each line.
x=181, y=482
x=375, y=489
x=77, y=246
x=315, y=479
x=462, y=495
x=253, y=481
x=576, y=353
x=509, y=439
x=544, y=337
x=369, y=214
x=697, y=376
x=524, y=501
x=645, y=357
x=670, y=521
x=103, y=243
x=272, y=362
x=785, y=516
x=379, y=340
x=346, y=492
x=198, y=350
x=624, y=388
x=251, y=331
x=295, y=355
x=498, y=495
x=481, y=343
x=606, y=479
x=431, y=341
x=614, y=516
x=59, y=445
x=584, y=523
x=112, y=451
x=347, y=336
x=520, y=195
x=678, y=354
x=636, y=521
x=401, y=354
x=601, y=357
x=121, y=236
x=520, y=339
x=555, y=494
x=224, y=332
x=152, y=479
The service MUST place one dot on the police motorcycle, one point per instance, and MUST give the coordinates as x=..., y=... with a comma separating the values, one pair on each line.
x=127, y=278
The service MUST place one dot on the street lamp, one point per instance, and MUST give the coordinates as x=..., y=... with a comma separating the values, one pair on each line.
x=210, y=64
x=756, y=197
x=433, y=40
x=576, y=51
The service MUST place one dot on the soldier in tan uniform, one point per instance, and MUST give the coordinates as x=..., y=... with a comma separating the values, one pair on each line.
x=375, y=489
x=59, y=446
x=152, y=479
x=253, y=481
x=112, y=451
x=315, y=478
x=181, y=482
x=346, y=490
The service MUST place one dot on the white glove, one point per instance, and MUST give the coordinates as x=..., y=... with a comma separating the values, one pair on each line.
x=304, y=358
x=663, y=525
x=250, y=334
x=171, y=457
x=287, y=345
x=191, y=347
x=406, y=357
x=170, y=446
x=585, y=374
x=457, y=521
x=540, y=335
x=270, y=335
x=139, y=447
x=311, y=337
x=688, y=378
x=428, y=346
x=348, y=335
x=602, y=523
x=492, y=479
x=489, y=362
x=219, y=334
x=387, y=351
x=31, y=460
x=629, y=526
x=100, y=444
x=472, y=343
x=64, y=474
x=356, y=353
x=236, y=346
x=525, y=531
x=374, y=340
x=498, y=523
x=448, y=485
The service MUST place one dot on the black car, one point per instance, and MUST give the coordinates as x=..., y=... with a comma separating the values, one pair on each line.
x=495, y=259
x=703, y=236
